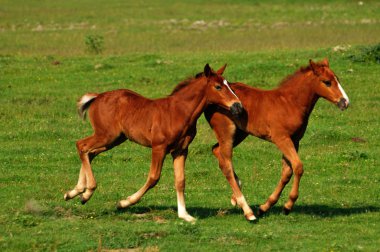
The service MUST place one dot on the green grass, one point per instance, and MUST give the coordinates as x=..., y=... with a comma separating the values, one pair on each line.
x=168, y=26
x=339, y=204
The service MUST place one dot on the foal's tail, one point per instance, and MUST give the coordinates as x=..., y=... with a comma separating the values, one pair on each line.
x=84, y=103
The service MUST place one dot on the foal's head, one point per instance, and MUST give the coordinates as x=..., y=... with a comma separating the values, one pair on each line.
x=219, y=91
x=328, y=85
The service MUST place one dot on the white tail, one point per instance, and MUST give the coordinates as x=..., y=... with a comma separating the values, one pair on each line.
x=84, y=103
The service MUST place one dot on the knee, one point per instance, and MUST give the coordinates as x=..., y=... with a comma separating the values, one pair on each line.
x=286, y=176
x=216, y=150
x=153, y=181
x=180, y=184
x=298, y=169
x=81, y=147
x=285, y=179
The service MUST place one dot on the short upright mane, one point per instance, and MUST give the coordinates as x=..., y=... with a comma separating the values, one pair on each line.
x=184, y=83
x=300, y=71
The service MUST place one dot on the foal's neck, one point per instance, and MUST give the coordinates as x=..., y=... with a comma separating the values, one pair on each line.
x=300, y=92
x=191, y=99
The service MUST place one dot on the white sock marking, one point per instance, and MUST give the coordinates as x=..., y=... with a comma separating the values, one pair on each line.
x=181, y=205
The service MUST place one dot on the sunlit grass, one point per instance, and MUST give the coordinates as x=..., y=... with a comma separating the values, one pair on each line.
x=39, y=162
x=149, y=47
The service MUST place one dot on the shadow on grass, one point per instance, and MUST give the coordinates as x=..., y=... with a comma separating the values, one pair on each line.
x=322, y=211
x=325, y=211
x=197, y=212
x=335, y=211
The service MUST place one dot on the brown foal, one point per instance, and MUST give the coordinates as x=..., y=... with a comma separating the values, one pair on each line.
x=279, y=116
x=167, y=125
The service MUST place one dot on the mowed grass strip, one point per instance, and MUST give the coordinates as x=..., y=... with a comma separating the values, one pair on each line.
x=61, y=28
x=338, y=208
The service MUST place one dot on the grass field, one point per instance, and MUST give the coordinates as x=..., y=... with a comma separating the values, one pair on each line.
x=149, y=47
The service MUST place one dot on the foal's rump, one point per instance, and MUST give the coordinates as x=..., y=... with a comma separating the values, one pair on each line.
x=118, y=112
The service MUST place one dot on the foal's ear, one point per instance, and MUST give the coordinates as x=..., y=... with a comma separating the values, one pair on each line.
x=221, y=70
x=314, y=66
x=207, y=70
x=325, y=62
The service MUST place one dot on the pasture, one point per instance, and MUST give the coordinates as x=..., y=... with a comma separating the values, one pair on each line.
x=149, y=47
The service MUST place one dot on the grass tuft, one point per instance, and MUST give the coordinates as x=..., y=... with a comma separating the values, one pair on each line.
x=366, y=54
x=94, y=44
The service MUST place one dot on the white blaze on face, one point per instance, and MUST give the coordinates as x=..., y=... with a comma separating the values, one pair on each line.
x=229, y=88
x=342, y=91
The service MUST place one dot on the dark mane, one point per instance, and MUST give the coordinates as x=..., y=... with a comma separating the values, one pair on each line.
x=184, y=83
x=300, y=71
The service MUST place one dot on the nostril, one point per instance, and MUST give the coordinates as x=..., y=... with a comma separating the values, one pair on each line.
x=238, y=105
x=236, y=108
x=343, y=103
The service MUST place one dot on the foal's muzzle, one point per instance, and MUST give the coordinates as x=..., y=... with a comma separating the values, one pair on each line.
x=236, y=108
x=342, y=104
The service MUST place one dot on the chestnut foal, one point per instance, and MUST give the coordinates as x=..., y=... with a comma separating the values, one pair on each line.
x=279, y=116
x=167, y=125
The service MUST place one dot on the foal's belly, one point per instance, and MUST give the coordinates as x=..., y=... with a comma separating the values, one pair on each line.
x=138, y=135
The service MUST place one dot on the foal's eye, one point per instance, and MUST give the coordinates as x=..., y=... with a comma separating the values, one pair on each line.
x=218, y=87
x=327, y=83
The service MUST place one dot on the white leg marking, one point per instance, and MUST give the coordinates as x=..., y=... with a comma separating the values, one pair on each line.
x=251, y=218
x=248, y=213
x=182, y=213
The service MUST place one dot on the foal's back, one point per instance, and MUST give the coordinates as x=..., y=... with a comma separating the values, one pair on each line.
x=268, y=111
x=125, y=112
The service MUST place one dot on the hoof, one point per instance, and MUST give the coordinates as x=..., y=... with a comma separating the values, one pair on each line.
x=66, y=197
x=233, y=201
x=261, y=212
x=188, y=218
x=286, y=211
x=124, y=204
x=251, y=218
x=119, y=206
x=83, y=200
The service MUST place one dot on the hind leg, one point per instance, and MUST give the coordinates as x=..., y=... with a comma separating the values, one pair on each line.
x=286, y=175
x=88, y=148
x=158, y=156
x=86, y=183
x=291, y=163
x=79, y=188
